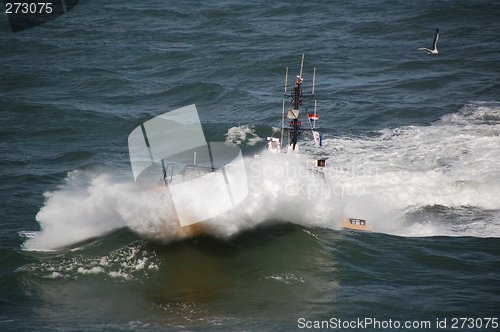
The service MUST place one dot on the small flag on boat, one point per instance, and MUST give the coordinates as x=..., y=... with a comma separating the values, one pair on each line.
x=318, y=140
x=314, y=117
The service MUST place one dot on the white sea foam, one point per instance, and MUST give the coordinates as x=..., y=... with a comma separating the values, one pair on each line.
x=127, y=263
x=452, y=163
x=83, y=208
x=281, y=188
x=287, y=278
x=241, y=134
x=90, y=205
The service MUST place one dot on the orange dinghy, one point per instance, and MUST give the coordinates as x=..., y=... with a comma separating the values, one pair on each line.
x=355, y=224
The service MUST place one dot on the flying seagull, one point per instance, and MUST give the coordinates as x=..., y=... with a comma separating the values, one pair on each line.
x=434, y=45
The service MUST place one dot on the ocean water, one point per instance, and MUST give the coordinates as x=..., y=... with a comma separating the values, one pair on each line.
x=413, y=142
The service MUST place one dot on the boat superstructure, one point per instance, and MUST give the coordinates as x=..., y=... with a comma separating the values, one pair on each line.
x=292, y=117
x=294, y=114
x=206, y=179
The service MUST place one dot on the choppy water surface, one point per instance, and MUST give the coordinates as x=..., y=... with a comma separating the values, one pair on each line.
x=413, y=142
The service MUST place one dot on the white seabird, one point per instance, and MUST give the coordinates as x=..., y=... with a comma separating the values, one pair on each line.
x=434, y=45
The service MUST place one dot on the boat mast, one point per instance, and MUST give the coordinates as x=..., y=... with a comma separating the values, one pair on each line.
x=286, y=78
x=301, y=65
x=282, y=124
x=314, y=121
x=297, y=95
x=283, y=111
x=314, y=80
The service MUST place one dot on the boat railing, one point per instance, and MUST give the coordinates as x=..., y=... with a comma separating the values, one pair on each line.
x=166, y=177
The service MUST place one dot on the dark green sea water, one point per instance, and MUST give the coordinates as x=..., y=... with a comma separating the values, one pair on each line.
x=414, y=140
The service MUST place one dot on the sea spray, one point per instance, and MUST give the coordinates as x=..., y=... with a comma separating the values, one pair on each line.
x=387, y=179
x=82, y=208
x=89, y=205
x=451, y=163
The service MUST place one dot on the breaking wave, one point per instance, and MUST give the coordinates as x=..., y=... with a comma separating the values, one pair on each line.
x=89, y=205
x=441, y=179
x=425, y=180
